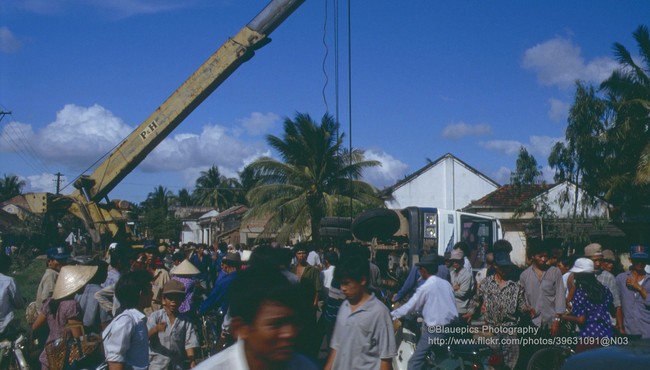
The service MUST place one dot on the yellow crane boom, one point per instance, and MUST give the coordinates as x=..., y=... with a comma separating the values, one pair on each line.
x=103, y=219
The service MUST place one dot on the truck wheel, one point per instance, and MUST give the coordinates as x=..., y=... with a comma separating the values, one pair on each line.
x=344, y=222
x=380, y=223
x=336, y=232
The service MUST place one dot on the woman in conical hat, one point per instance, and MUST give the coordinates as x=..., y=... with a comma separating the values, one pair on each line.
x=62, y=309
x=188, y=274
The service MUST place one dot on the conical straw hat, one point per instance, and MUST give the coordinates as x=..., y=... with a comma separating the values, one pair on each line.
x=71, y=279
x=185, y=268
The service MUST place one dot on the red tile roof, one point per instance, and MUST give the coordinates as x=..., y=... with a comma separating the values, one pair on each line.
x=510, y=196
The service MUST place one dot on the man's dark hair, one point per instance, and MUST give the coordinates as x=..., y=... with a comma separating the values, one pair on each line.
x=129, y=287
x=431, y=269
x=568, y=261
x=536, y=247
x=178, y=256
x=355, y=268
x=223, y=247
x=463, y=246
x=301, y=247
x=121, y=257
x=256, y=286
x=332, y=258
x=264, y=255
x=502, y=245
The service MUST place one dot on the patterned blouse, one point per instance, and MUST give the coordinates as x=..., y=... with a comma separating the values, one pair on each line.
x=597, y=323
x=503, y=305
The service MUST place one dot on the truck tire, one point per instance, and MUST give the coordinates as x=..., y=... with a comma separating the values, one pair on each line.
x=344, y=222
x=335, y=232
x=378, y=223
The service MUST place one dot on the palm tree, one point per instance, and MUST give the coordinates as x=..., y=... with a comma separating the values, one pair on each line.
x=157, y=219
x=184, y=198
x=160, y=197
x=215, y=190
x=314, y=178
x=248, y=178
x=10, y=186
x=628, y=90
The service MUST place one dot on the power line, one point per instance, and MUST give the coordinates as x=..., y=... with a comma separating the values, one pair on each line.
x=12, y=143
x=26, y=148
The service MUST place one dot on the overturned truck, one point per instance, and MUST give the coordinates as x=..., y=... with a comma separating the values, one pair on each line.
x=399, y=237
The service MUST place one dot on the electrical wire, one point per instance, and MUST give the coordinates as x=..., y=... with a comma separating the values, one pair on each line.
x=23, y=147
x=325, y=59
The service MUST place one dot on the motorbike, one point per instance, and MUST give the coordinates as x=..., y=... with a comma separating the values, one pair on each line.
x=12, y=354
x=443, y=357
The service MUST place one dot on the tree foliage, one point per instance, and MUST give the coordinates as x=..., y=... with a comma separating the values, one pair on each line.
x=10, y=186
x=157, y=219
x=579, y=159
x=314, y=179
x=628, y=149
x=527, y=171
x=213, y=189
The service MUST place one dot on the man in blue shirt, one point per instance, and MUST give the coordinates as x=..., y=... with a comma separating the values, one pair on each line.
x=218, y=297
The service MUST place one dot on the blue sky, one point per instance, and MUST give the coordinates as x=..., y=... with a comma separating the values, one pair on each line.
x=477, y=79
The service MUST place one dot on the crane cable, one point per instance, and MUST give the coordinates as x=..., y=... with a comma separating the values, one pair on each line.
x=325, y=59
x=350, y=93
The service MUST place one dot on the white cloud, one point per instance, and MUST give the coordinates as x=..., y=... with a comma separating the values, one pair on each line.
x=45, y=182
x=122, y=8
x=547, y=174
x=258, y=123
x=508, y=147
x=539, y=146
x=388, y=173
x=8, y=41
x=80, y=135
x=542, y=145
x=558, y=62
x=559, y=110
x=191, y=153
x=461, y=129
x=15, y=137
x=132, y=7
x=38, y=6
x=502, y=175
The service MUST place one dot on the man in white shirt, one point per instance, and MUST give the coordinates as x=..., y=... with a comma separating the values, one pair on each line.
x=313, y=258
x=435, y=300
x=326, y=276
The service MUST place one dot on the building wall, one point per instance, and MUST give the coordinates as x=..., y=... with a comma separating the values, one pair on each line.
x=449, y=184
x=561, y=200
x=191, y=232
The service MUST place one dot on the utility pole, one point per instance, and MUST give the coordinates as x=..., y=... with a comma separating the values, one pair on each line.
x=58, y=182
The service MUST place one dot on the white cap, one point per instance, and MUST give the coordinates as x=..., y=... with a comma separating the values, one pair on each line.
x=583, y=265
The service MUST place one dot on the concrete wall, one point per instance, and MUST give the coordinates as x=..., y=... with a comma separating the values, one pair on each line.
x=449, y=184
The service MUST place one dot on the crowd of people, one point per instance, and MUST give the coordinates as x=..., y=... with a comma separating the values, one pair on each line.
x=307, y=308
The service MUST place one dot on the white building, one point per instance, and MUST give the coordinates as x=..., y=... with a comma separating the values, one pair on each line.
x=192, y=231
x=447, y=183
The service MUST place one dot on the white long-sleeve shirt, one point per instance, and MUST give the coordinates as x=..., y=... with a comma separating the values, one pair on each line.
x=434, y=300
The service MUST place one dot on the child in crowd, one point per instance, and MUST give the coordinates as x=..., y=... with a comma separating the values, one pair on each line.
x=172, y=336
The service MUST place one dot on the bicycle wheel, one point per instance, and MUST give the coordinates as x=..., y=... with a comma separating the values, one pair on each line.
x=546, y=359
